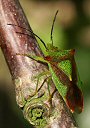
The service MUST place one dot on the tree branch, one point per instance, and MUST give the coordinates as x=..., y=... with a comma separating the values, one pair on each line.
x=36, y=108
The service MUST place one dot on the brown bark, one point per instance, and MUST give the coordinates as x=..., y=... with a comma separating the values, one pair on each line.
x=22, y=69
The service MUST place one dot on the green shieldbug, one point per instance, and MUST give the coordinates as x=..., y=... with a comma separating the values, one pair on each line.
x=63, y=71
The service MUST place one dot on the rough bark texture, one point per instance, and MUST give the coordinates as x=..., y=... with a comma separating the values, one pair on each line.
x=36, y=108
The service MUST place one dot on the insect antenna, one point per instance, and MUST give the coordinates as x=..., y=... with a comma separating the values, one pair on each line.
x=28, y=34
x=53, y=26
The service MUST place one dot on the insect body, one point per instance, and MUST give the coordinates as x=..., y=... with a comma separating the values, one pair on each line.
x=64, y=75
x=62, y=68
x=63, y=71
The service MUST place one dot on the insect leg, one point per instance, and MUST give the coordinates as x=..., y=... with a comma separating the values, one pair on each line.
x=34, y=57
x=45, y=80
x=38, y=79
x=50, y=94
x=49, y=83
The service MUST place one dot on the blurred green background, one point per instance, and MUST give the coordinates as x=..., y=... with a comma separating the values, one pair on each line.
x=71, y=30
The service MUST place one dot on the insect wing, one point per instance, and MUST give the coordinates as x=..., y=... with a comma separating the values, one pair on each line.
x=77, y=93
x=74, y=99
x=64, y=75
x=74, y=96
